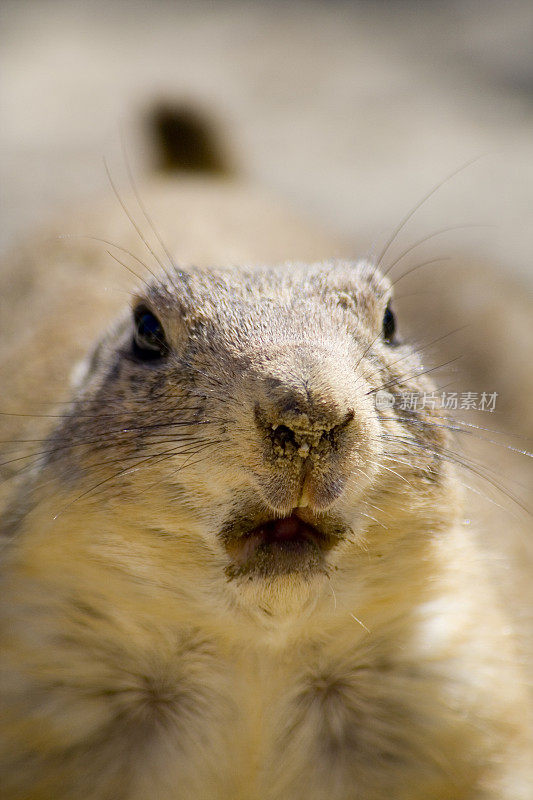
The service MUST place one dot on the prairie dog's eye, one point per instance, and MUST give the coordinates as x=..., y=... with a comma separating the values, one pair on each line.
x=149, y=340
x=389, y=325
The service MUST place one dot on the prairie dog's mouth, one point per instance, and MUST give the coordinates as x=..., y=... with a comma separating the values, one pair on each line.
x=286, y=545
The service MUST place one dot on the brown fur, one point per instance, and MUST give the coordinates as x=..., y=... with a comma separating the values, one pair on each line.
x=136, y=663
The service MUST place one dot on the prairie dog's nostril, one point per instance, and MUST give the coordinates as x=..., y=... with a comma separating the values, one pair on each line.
x=283, y=435
x=333, y=435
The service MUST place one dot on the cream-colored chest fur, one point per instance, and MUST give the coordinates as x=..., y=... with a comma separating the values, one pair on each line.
x=134, y=694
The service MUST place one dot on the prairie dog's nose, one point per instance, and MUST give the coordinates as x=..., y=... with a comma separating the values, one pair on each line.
x=296, y=425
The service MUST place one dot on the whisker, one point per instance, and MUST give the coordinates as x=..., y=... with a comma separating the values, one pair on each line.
x=416, y=375
x=132, y=221
x=454, y=458
x=421, y=348
x=362, y=624
x=123, y=264
x=456, y=429
x=429, y=238
x=160, y=458
x=112, y=244
x=103, y=440
x=115, y=415
x=416, y=267
x=397, y=474
x=126, y=470
x=489, y=499
x=403, y=222
x=479, y=427
x=333, y=593
x=141, y=205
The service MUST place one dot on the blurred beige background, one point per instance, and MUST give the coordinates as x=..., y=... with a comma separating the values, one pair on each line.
x=350, y=111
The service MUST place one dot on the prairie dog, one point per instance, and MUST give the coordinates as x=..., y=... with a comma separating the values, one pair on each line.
x=230, y=574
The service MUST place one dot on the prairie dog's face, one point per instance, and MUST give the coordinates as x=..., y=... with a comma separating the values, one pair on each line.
x=242, y=406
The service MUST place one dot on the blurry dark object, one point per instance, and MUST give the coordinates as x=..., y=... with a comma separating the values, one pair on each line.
x=186, y=141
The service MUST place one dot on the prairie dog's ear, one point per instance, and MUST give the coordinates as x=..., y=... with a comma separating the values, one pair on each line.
x=359, y=279
x=372, y=276
x=360, y=289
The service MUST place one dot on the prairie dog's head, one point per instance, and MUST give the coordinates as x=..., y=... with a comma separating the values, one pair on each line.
x=236, y=411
